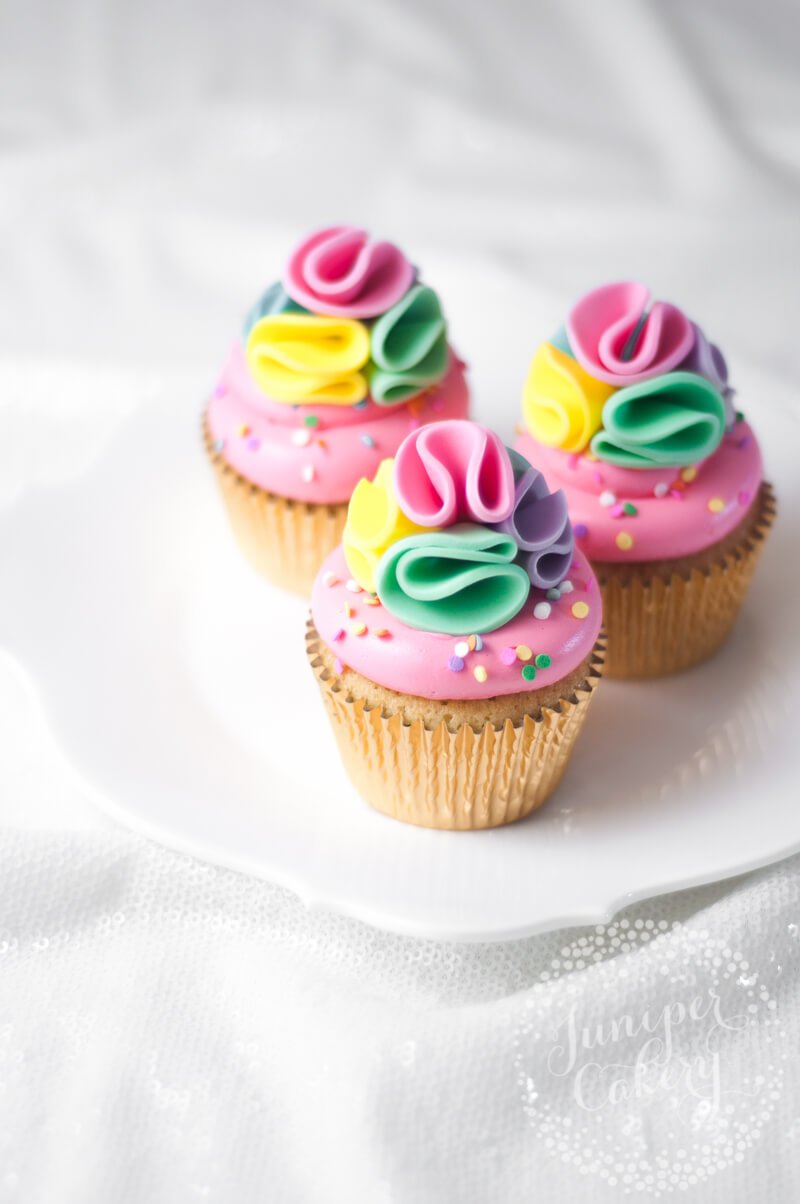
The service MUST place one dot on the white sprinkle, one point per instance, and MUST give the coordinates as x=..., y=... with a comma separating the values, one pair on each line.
x=478, y=643
x=308, y=472
x=607, y=498
x=661, y=489
x=553, y=594
x=353, y=586
x=329, y=578
x=461, y=648
x=301, y=438
x=542, y=610
x=566, y=587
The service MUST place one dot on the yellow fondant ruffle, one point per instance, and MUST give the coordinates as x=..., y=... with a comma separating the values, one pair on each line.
x=374, y=522
x=562, y=404
x=305, y=359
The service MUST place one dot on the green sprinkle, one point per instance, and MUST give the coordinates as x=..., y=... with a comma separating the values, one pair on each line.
x=542, y=661
x=311, y=420
x=739, y=416
x=528, y=672
x=629, y=508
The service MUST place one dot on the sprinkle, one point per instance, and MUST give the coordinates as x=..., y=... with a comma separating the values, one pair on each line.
x=598, y=476
x=744, y=497
x=607, y=498
x=321, y=443
x=367, y=440
x=716, y=504
x=382, y=632
x=358, y=629
x=688, y=474
x=523, y=652
x=220, y=390
x=542, y=610
x=739, y=416
x=581, y=530
x=589, y=455
x=308, y=472
x=743, y=442
x=573, y=460
x=542, y=661
x=472, y=642
x=353, y=586
x=528, y=672
x=301, y=437
x=580, y=609
x=349, y=610
x=338, y=666
x=243, y=429
x=361, y=405
x=455, y=663
x=311, y=420
x=679, y=484
x=624, y=541
x=371, y=600
x=479, y=673
x=253, y=444
x=218, y=445
x=566, y=587
x=329, y=579
x=413, y=423
x=339, y=635
x=676, y=493
x=617, y=510
x=661, y=489
x=462, y=648
x=553, y=594
x=478, y=643
x=508, y=656
x=629, y=509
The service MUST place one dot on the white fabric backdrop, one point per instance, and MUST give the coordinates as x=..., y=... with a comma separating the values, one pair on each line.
x=171, y=1032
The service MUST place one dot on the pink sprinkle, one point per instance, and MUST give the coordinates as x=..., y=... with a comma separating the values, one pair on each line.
x=338, y=666
x=220, y=390
x=339, y=635
x=253, y=444
x=508, y=656
x=598, y=476
x=744, y=497
x=617, y=511
x=573, y=461
x=678, y=493
x=743, y=442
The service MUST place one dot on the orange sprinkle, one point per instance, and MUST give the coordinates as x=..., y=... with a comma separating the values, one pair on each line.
x=472, y=641
x=371, y=600
x=382, y=632
x=349, y=610
x=243, y=429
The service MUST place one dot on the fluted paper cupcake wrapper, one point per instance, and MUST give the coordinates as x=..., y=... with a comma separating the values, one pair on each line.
x=457, y=780
x=284, y=540
x=667, y=623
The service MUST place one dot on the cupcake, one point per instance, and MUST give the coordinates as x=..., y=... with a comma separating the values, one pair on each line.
x=454, y=634
x=335, y=364
x=628, y=409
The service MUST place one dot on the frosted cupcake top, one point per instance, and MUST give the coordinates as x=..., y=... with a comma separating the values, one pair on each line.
x=629, y=409
x=457, y=577
x=337, y=362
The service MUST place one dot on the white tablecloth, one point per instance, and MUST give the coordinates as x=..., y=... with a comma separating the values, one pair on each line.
x=172, y=1032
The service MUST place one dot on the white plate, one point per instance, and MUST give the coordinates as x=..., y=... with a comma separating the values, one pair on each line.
x=176, y=683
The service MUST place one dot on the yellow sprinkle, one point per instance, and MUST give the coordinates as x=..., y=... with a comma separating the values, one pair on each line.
x=348, y=610
x=580, y=609
x=382, y=632
x=624, y=541
x=243, y=429
x=589, y=455
x=358, y=629
x=716, y=504
x=523, y=652
x=479, y=673
x=688, y=474
x=371, y=600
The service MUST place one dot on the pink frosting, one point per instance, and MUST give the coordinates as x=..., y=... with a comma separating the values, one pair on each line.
x=455, y=473
x=340, y=271
x=603, y=323
x=678, y=511
x=425, y=663
x=270, y=443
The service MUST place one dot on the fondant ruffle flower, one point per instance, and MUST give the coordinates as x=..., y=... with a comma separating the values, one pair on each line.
x=674, y=420
x=374, y=522
x=454, y=471
x=461, y=579
x=341, y=272
x=619, y=337
x=274, y=300
x=408, y=347
x=540, y=526
x=562, y=404
x=304, y=359
x=706, y=359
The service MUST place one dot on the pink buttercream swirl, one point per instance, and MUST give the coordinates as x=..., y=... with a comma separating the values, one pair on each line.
x=619, y=337
x=453, y=472
x=339, y=271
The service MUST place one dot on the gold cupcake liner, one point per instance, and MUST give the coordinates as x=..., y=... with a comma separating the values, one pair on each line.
x=460, y=779
x=670, y=621
x=284, y=540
